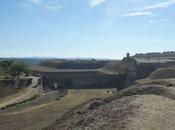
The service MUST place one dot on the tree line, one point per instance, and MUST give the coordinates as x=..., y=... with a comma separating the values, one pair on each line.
x=13, y=69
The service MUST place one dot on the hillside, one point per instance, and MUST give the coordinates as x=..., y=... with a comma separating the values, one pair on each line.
x=141, y=107
x=111, y=67
x=75, y=64
x=163, y=73
x=30, y=61
x=43, y=110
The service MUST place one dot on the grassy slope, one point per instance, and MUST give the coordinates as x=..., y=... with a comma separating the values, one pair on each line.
x=51, y=69
x=148, y=107
x=163, y=73
x=41, y=115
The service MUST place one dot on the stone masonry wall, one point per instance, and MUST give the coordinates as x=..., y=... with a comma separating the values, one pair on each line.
x=79, y=80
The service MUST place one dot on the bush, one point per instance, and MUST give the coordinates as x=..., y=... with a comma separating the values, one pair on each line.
x=14, y=69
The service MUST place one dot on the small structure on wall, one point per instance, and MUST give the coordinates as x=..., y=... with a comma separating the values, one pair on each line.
x=128, y=68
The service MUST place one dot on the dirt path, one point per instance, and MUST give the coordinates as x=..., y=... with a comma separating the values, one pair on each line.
x=29, y=93
x=39, y=116
x=154, y=113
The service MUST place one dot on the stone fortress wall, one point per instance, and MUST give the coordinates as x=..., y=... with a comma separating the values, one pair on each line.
x=129, y=71
x=79, y=80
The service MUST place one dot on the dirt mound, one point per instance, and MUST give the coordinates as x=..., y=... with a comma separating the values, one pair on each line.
x=147, y=107
x=111, y=67
x=45, y=109
x=155, y=89
x=163, y=73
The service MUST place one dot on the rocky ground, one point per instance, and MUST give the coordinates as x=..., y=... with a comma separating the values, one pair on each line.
x=29, y=93
x=149, y=104
x=45, y=109
x=139, y=107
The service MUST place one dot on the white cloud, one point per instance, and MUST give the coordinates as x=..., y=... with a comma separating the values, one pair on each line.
x=139, y=14
x=35, y=1
x=164, y=20
x=152, y=21
x=165, y=4
x=158, y=22
x=94, y=3
x=52, y=5
x=154, y=39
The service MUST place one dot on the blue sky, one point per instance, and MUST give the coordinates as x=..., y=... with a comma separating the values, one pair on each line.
x=85, y=28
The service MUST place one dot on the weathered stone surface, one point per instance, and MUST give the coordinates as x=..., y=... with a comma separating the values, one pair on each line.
x=80, y=80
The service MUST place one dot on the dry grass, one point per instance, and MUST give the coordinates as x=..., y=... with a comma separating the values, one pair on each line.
x=155, y=113
x=137, y=108
x=163, y=73
x=51, y=69
x=10, y=97
x=170, y=81
x=41, y=115
x=43, y=69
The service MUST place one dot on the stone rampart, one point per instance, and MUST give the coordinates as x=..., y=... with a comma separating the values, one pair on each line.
x=79, y=80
